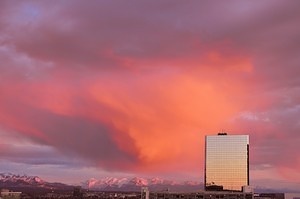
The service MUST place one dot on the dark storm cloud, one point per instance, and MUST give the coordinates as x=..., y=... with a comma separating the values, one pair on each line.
x=33, y=154
x=105, y=34
x=112, y=34
x=91, y=140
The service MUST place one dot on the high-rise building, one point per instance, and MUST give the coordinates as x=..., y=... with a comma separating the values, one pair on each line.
x=226, y=162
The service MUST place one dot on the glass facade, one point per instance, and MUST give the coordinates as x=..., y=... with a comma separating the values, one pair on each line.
x=226, y=162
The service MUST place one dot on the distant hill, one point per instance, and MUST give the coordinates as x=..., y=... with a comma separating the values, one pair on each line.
x=271, y=190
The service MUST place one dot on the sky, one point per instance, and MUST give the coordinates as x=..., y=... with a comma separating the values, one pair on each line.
x=131, y=88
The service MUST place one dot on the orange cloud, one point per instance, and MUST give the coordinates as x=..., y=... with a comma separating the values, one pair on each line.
x=158, y=117
x=168, y=116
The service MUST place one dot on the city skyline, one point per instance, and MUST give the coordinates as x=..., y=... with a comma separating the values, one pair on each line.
x=131, y=88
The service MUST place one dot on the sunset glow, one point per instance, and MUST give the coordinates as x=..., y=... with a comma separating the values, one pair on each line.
x=124, y=88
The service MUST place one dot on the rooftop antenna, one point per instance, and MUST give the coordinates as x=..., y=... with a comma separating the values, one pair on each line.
x=223, y=132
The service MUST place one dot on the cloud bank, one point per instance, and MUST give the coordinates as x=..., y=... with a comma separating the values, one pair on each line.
x=135, y=86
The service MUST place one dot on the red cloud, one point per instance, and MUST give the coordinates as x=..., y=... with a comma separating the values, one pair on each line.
x=139, y=87
x=145, y=119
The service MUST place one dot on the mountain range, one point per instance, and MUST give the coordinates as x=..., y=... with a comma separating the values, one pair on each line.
x=135, y=184
x=25, y=183
x=30, y=184
x=21, y=182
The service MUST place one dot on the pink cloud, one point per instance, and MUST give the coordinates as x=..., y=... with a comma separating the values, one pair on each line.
x=135, y=87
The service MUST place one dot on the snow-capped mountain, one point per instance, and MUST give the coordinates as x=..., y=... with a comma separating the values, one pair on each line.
x=105, y=182
x=18, y=182
x=135, y=184
x=20, y=179
x=156, y=184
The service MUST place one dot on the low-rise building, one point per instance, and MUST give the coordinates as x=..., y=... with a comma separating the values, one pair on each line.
x=202, y=195
x=6, y=194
